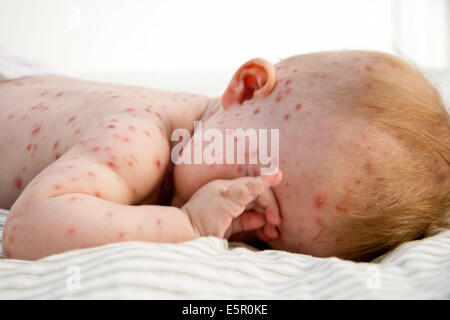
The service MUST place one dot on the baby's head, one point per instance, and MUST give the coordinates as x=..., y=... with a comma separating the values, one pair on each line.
x=364, y=148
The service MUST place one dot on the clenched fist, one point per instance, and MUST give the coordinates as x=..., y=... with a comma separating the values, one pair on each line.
x=223, y=207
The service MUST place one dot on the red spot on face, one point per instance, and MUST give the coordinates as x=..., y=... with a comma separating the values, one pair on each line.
x=111, y=165
x=256, y=111
x=341, y=209
x=319, y=222
x=319, y=202
x=278, y=98
x=298, y=106
x=130, y=163
x=18, y=183
x=286, y=117
x=158, y=163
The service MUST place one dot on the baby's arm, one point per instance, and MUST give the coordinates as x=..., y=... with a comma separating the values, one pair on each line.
x=82, y=199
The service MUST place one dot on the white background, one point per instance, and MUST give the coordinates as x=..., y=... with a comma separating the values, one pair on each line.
x=129, y=40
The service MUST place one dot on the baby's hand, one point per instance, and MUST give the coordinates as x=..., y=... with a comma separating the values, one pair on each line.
x=219, y=207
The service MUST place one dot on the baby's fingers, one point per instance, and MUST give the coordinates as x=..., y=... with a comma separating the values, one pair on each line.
x=247, y=221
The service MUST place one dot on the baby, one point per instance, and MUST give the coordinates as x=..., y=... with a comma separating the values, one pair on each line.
x=364, y=150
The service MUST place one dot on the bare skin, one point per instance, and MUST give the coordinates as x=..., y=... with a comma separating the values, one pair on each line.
x=87, y=161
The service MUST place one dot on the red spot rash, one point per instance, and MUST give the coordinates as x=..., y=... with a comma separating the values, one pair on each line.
x=129, y=110
x=126, y=139
x=71, y=231
x=97, y=194
x=368, y=68
x=278, y=98
x=29, y=147
x=18, y=183
x=111, y=165
x=7, y=254
x=287, y=116
x=130, y=163
x=91, y=174
x=96, y=149
x=158, y=163
x=319, y=202
x=298, y=106
x=57, y=186
x=121, y=235
x=71, y=119
x=111, y=126
x=357, y=181
x=148, y=134
x=319, y=222
x=256, y=111
x=341, y=209
x=109, y=214
x=55, y=145
x=57, y=156
x=158, y=221
x=59, y=94
x=77, y=131
x=287, y=82
x=36, y=130
x=11, y=116
x=131, y=128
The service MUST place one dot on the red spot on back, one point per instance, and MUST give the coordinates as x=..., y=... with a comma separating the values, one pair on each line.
x=319, y=202
x=18, y=183
x=71, y=119
x=36, y=130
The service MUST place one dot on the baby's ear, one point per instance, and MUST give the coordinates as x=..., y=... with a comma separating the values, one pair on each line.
x=254, y=79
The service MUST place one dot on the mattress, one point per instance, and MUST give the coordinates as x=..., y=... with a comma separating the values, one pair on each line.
x=213, y=268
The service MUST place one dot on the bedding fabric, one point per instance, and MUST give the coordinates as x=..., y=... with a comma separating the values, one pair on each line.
x=212, y=268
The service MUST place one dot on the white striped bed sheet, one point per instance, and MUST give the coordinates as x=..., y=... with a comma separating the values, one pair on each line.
x=212, y=268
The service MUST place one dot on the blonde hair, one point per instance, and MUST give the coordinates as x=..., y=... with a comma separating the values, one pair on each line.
x=407, y=197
